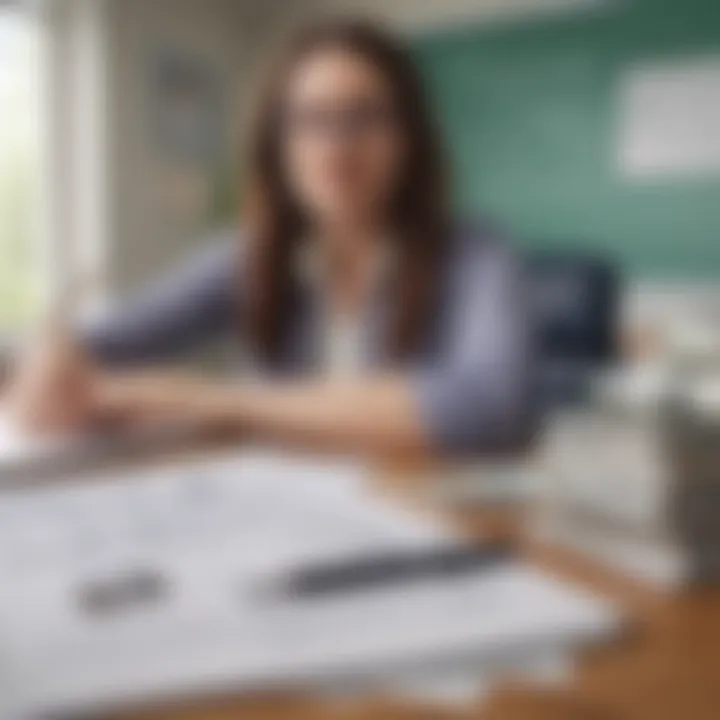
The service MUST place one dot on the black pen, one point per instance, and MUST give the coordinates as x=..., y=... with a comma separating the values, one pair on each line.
x=382, y=569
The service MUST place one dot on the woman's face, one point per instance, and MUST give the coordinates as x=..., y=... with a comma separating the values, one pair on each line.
x=343, y=147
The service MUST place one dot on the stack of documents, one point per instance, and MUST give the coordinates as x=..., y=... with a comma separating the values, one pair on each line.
x=635, y=482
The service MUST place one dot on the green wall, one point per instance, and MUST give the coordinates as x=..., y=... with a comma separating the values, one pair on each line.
x=530, y=115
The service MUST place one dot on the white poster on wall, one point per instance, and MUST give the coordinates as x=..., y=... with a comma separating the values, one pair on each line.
x=670, y=119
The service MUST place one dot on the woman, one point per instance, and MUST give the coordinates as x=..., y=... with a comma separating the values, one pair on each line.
x=377, y=325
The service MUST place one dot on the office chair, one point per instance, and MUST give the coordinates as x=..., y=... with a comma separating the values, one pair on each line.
x=574, y=300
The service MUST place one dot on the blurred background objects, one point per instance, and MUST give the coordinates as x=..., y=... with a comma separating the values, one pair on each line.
x=586, y=127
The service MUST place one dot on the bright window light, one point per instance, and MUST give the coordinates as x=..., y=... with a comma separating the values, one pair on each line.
x=20, y=266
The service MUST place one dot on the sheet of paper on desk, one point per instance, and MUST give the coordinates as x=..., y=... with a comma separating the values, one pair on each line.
x=207, y=531
x=493, y=626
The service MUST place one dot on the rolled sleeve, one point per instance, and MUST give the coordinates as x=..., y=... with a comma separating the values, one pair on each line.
x=476, y=396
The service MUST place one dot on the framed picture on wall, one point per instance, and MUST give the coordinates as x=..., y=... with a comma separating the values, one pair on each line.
x=670, y=119
x=187, y=108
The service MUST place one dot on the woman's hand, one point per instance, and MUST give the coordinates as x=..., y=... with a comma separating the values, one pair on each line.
x=146, y=399
x=53, y=388
x=59, y=389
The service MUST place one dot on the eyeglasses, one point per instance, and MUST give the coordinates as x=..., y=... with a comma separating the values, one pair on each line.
x=362, y=118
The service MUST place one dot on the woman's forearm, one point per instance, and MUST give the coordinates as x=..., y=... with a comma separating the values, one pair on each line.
x=372, y=414
x=367, y=414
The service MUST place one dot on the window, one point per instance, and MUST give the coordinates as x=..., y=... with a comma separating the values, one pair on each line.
x=20, y=252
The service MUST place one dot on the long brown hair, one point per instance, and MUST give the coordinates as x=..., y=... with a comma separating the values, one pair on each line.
x=273, y=223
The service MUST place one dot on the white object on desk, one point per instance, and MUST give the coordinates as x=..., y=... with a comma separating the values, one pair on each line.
x=209, y=530
x=18, y=448
x=25, y=459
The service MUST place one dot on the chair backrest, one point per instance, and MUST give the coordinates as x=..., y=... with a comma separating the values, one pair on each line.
x=575, y=304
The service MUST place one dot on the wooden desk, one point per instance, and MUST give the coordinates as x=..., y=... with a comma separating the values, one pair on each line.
x=667, y=668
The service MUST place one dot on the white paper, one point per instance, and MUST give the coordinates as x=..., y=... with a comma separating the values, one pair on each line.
x=670, y=119
x=216, y=529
